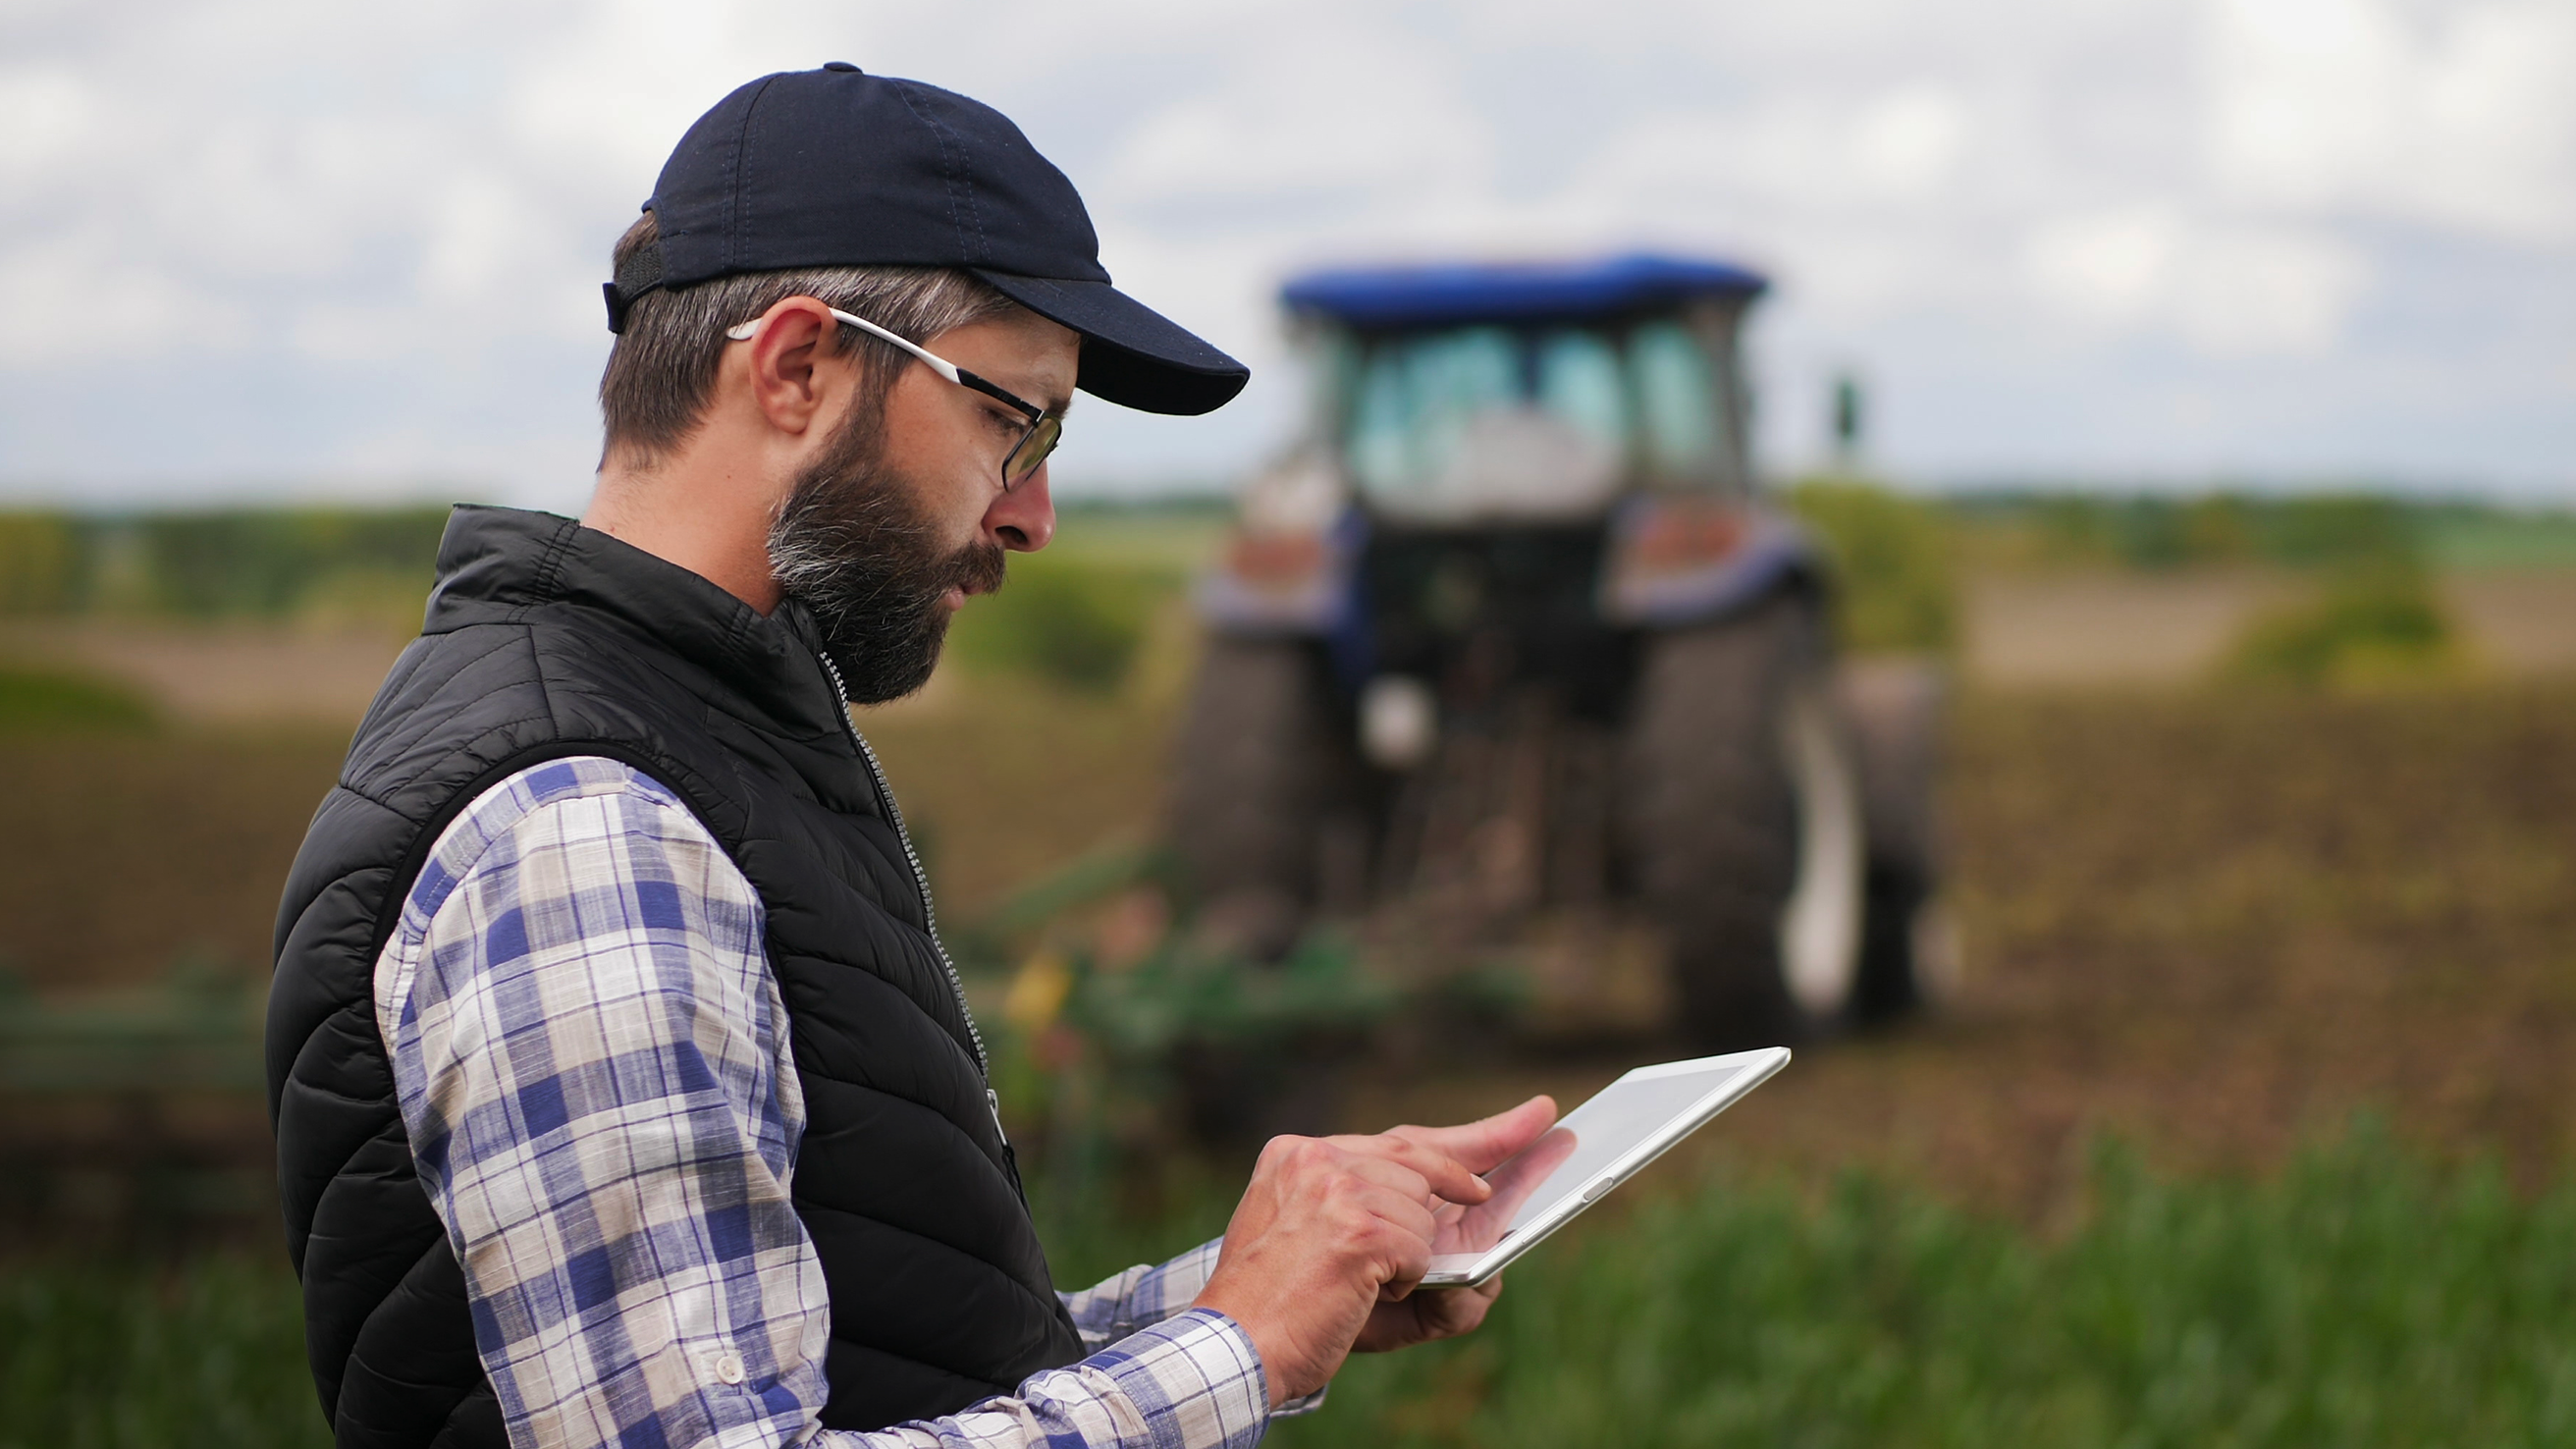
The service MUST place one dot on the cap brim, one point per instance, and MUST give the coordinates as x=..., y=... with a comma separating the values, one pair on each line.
x=1132, y=355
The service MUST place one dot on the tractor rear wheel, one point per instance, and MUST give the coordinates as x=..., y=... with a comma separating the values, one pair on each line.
x=1263, y=766
x=1742, y=821
x=1909, y=953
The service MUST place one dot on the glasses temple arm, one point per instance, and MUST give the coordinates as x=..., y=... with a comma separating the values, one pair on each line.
x=748, y=330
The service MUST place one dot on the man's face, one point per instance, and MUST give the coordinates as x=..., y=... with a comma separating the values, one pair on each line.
x=891, y=528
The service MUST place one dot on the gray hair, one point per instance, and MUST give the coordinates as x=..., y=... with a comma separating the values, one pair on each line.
x=662, y=369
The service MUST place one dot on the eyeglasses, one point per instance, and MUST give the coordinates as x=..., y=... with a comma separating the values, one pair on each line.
x=1045, y=428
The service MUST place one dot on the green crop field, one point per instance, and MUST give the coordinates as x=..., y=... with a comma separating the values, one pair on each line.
x=2356, y=1298
x=2353, y=1299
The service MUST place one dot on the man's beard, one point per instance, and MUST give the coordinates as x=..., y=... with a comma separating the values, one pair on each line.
x=853, y=545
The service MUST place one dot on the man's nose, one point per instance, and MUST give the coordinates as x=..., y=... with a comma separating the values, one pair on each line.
x=1023, y=518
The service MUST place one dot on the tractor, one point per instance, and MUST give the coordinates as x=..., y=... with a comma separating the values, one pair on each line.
x=1512, y=628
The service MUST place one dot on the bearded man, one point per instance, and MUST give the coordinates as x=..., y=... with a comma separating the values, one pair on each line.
x=624, y=1093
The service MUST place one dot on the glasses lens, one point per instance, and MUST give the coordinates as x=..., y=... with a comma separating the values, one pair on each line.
x=1033, y=450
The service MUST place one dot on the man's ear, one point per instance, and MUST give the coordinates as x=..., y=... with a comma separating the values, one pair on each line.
x=799, y=370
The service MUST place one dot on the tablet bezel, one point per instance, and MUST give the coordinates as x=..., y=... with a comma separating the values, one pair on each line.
x=1745, y=1071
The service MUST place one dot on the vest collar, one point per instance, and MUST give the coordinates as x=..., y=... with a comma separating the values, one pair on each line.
x=495, y=565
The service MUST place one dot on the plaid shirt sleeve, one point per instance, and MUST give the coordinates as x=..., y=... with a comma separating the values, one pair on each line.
x=1140, y=1297
x=1144, y=1296
x=591, y=1056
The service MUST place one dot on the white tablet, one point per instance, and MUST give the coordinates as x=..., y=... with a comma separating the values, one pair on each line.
x=1591, y=1150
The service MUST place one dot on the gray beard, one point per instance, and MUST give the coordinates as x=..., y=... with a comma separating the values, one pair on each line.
x=853, y=546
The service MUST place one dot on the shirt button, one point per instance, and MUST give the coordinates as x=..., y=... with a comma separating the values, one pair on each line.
x=729, y=1367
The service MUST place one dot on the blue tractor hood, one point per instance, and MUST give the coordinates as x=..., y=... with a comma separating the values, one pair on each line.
x=1451, y=294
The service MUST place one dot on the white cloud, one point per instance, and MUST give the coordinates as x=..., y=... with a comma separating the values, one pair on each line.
x=1321, y=113
x=1909, y=142
x=2230, y=290
x=2463, y=117
x=1997, y=195
x=44, y=112
x=2107, y=268
x=68, y=300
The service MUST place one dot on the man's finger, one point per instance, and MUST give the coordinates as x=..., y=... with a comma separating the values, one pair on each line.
x=1446, y=1176
x=1391, y=1173
x=1484, y=1145
x=1399, y=1210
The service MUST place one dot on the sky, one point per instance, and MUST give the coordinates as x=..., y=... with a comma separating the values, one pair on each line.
x=285, y=248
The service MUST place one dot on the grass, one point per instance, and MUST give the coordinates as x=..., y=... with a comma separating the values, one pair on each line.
x=2361, y=1296
x=207, y=1354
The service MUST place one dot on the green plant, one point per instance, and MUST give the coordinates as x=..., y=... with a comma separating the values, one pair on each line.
x=2366, y=625
x=41, y=699
x=101, y=1353
x=1891, y=554
x=40, y=563
x=1066, y=619
x=1111, y=1063
x=2359, y=1298
x=2363, y=1296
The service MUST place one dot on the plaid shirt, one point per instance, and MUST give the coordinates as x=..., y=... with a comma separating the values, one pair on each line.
x=593, y=1062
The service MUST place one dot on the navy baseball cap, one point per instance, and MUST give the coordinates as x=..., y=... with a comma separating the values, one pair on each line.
x=835, y=167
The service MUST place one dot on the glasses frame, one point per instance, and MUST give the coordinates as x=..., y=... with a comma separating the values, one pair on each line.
x=1040, y=420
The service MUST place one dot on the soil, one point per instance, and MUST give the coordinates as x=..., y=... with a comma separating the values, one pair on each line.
x=219, y=674
x=2215, y=922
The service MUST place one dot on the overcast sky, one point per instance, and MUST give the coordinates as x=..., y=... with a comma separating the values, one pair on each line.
x=295, y=247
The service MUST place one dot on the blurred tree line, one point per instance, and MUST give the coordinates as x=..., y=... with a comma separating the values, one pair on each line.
x=1079, y=616
x=2150, y=531
x=1067, y=617
x=234, y=563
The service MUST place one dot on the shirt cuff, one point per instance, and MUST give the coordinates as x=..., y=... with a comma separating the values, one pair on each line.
x=1303, y=1404
x=1196, y=1379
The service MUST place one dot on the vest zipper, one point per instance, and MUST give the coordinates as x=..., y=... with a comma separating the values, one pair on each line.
x=920, y=881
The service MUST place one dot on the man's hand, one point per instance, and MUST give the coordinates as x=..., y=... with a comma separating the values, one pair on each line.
x=1333, y=1233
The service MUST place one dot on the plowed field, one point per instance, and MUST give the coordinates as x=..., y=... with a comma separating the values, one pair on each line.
x=2209, y=920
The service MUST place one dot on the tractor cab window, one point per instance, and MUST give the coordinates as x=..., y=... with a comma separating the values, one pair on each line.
x=1579, y=381
x=1677, y=402
x=1418, y=403
x=1489, y=421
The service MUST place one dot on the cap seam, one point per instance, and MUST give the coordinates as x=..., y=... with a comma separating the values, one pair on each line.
x=741, y=163
x=974, y=204
x=949, y=169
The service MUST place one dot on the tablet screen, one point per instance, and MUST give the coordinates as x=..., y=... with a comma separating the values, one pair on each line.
x=1575, y=1152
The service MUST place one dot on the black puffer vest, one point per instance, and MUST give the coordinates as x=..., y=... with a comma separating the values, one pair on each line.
x=544, y=640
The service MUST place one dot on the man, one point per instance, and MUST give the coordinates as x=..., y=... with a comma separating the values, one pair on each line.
x=624, y=1093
